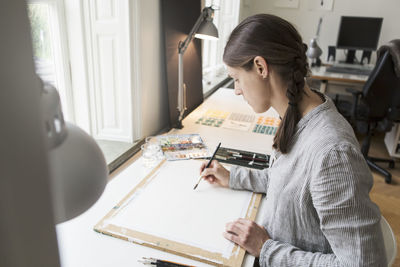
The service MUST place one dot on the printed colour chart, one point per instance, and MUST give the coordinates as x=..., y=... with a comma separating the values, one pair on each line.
x=239, y=121
x=266, y=125
x=213, y=118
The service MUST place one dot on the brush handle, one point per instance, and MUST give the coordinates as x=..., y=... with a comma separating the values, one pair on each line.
x=164, y=263
x=213, y=156
x=208, y=164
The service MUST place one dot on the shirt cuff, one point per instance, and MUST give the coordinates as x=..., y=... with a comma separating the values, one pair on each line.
x=233, y=177
x=263, y=251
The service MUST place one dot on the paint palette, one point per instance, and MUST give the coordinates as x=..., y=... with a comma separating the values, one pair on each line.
x=266, y=125
x=183, y=146
x=213, y=118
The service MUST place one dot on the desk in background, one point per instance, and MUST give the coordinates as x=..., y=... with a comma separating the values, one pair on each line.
x=336, y=80
x=80, y=245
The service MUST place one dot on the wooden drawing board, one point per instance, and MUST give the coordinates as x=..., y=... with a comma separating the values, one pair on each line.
x=164, y=212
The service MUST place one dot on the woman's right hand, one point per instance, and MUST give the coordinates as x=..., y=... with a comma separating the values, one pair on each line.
x=215, y=173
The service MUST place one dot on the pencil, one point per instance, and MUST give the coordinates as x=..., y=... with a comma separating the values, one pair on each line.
x=208, y=165
x=162, y=263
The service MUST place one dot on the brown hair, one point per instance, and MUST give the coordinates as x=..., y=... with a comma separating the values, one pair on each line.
x=279, y=43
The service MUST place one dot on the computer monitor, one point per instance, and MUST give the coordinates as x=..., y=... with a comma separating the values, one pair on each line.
x=358, y=33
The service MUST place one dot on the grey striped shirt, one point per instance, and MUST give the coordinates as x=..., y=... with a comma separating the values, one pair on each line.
x=318, y=211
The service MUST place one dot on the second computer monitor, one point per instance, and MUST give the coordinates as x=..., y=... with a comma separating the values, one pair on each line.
x=358, y=33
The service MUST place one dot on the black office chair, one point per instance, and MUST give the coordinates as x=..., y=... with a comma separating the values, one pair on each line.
x=375, y=108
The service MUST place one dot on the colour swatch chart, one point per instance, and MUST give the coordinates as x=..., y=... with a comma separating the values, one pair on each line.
x=266, y=125
x=240, y=121
x=225, y=119
x=213, y=118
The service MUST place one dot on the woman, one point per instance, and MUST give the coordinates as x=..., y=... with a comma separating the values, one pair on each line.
x=318, y=211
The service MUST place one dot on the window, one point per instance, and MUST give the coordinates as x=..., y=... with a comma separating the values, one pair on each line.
x=83, y=48
x=50, y=56
x=226, y=17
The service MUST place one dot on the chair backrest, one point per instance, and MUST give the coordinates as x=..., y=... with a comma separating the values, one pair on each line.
x=390, y=241
x=381, y=92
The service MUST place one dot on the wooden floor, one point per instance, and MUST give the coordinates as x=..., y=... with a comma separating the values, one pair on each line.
x=387, y=196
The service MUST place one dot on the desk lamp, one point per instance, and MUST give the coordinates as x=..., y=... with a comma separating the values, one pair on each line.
x=78, y=170
x=314, y=51
x=204, y=28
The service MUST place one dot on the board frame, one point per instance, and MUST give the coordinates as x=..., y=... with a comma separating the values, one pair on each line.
x=177, y=248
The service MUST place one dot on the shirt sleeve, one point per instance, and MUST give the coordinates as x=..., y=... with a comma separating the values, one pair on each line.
x=349, y=220
x=249, y=179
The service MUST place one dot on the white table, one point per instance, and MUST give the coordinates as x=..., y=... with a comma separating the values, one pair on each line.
x=80, y=245
x=320, y=73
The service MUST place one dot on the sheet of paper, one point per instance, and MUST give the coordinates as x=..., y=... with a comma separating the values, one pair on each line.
x=239, y=121
x=168, y=207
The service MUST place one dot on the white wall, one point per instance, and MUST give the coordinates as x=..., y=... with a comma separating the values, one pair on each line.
x=306, y=20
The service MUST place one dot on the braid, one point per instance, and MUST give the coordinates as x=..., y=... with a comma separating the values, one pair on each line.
x=294, y=93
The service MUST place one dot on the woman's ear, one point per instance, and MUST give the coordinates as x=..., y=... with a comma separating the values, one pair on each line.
x=261, y=66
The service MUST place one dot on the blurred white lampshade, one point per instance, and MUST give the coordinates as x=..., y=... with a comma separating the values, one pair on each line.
x=78, y=169
x=79, y=174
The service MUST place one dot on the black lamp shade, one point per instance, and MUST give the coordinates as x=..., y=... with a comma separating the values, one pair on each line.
x=207, y=30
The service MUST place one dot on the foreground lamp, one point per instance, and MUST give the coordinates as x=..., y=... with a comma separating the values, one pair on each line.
x=204, y=28
x=78, y=170
x=314, y=51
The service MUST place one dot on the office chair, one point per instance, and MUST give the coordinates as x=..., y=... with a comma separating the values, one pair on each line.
x=375, y=108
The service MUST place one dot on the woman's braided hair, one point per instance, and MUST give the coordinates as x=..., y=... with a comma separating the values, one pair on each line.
x=279, y=43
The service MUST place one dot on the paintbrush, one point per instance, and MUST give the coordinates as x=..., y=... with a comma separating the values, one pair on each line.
x=238, y=156
x=208, y=165
x=260, y=162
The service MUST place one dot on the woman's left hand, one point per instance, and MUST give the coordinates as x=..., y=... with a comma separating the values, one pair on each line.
x=247, y=234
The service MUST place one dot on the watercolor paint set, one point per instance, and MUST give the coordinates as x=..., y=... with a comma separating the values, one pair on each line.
x=183, y=146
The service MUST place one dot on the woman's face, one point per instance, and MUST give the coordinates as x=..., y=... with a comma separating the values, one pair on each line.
x=252, y=86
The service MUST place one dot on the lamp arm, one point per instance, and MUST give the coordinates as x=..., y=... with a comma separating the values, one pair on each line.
x=207, y=11
x=181, y=103
x=319, y=27
x=206, y=14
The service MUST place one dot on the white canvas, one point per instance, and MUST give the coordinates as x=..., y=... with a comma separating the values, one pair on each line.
x=192, y=217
